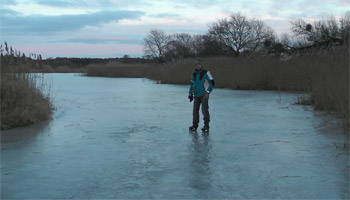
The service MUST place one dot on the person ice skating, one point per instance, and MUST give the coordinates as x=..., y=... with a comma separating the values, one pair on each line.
x=202, y=84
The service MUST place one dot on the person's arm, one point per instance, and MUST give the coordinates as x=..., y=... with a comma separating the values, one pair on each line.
x=190, y=95
x=191, y=87
x=211, y=81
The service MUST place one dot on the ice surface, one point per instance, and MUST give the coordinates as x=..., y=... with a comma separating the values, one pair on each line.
x=129, y=138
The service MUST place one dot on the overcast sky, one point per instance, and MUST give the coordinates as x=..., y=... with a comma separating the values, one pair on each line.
x=113, y=28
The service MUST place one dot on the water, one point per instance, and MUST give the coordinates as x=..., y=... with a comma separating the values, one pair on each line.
x=129, y=138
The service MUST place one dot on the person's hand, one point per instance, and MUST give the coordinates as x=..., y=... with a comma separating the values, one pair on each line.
x=206, y=96
x=190, y=97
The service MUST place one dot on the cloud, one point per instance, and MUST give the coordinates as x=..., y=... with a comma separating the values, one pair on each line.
x=195, y=3
x=8, y=12
x=166, y=15
x=101, y=40
x=14, y=24
x=8, y=2
x=311, y=9
x=60, y=3
x=345, y=3
x=75, y=3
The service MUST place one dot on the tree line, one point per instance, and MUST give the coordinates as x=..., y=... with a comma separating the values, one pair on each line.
x=82, y=62
x=11, y=58
x=240, y=34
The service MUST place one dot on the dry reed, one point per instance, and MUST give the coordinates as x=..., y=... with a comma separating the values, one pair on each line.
x=23, y=101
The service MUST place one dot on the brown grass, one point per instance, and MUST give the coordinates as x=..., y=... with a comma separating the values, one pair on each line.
x=323, y=74
x=22, y=99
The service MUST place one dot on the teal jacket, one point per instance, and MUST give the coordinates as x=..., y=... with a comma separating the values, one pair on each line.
x=201, y=82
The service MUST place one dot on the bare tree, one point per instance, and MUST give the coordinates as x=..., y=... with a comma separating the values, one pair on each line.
x=184, y=39
x=155, y=44
x=260, y=32
x=181, y=46
x=240, y=33
x=286, y=41
x=322, y=33
x=345, y=27
x=206, y=46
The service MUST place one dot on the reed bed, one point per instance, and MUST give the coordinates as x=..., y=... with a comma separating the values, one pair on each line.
x=23, y=97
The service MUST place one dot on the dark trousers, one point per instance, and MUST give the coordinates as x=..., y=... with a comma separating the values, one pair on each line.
x=205, y=110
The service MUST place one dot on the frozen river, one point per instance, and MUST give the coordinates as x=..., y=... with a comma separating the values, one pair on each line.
x=128, y=138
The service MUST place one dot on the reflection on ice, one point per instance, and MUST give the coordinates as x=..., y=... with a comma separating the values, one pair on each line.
x=201, y=170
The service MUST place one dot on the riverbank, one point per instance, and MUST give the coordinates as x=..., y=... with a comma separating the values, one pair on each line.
x=322, y=74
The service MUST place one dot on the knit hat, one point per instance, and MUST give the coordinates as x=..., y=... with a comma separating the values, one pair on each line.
x=199, y=62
